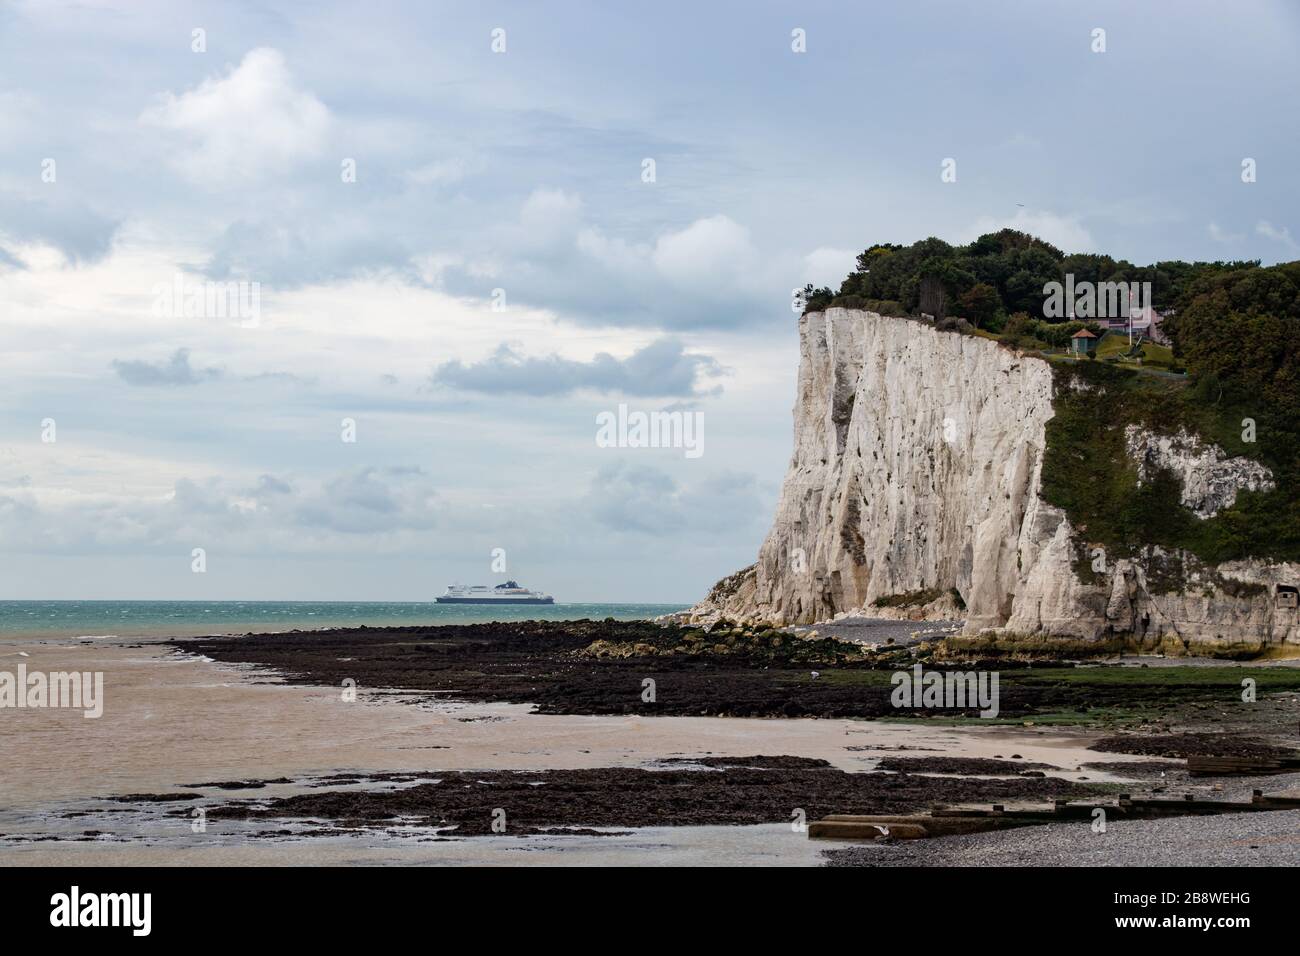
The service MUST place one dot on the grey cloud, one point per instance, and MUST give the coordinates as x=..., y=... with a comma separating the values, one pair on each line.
x=703, y=274
x=646, y=500
x=81, y=234
x=365, y=501
x=374, y=508
x=662, y=368
x=373, y=500
x=281, y=378
x=269, y=485
x=308, y=253
x=175, y=371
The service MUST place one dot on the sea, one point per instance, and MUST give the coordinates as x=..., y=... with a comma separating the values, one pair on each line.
x=108, y=619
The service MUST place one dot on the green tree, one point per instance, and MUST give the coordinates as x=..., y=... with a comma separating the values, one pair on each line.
x=980, y=304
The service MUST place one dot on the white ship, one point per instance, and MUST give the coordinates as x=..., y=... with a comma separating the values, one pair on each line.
x=508, y=593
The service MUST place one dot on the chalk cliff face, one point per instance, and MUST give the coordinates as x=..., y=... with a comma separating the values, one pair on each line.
x=915, y=478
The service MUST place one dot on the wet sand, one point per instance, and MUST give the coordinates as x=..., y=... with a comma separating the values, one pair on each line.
x=171, y=720
x=766, y=845
x=177, y=723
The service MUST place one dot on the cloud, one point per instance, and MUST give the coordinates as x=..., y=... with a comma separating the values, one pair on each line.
x=376, y=508
x=706, y=274
x=175, y=371
x=828, y=267
x=440, y=172
x=1219, y=234
x=549, y=218
x=1278, y=234
x=646, y=500
x=662, y=368
x=373, y=513
x=269, y=485
x=253, y=121
x=708, y=253
x=288, y=257
x=372, y=500
x=1064, y=232
x=79, y=233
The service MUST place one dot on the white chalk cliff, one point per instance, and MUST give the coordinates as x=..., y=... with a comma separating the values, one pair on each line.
x=916, y=471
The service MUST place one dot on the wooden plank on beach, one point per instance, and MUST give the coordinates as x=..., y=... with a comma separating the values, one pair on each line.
x=945, y=821
x=1279, y=799
x=1203, y=766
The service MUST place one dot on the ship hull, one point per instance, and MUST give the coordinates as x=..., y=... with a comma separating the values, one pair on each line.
x=476, y=600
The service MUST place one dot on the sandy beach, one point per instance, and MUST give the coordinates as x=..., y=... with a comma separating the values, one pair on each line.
x=173, y=721
x=177, y=724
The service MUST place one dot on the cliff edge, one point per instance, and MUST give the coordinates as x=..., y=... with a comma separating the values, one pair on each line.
x=915, y=488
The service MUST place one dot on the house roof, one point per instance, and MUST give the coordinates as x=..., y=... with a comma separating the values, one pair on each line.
x=1083, y=334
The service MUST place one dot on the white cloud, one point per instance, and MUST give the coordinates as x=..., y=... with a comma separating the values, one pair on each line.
x=662, y=368
x=707, y=253
x=1219, y=234
x=548, y=218
x=707, y=273
x=253, y=121
x=828, y=267
x=440, y=172
x=1278, y=234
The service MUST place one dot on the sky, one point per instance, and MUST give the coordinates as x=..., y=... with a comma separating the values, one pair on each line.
x=453, y=235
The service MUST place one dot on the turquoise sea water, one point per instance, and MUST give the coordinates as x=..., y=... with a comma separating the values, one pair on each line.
x=34, y=619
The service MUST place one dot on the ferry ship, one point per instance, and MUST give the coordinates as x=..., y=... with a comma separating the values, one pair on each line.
x=508, y=593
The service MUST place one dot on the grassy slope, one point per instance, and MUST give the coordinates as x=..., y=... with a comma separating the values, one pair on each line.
x=1087, y=471
x=1113, y=344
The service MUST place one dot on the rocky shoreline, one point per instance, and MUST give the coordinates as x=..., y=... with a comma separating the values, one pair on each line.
x=644, y=668
x=602, y=667
x=730, y=791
